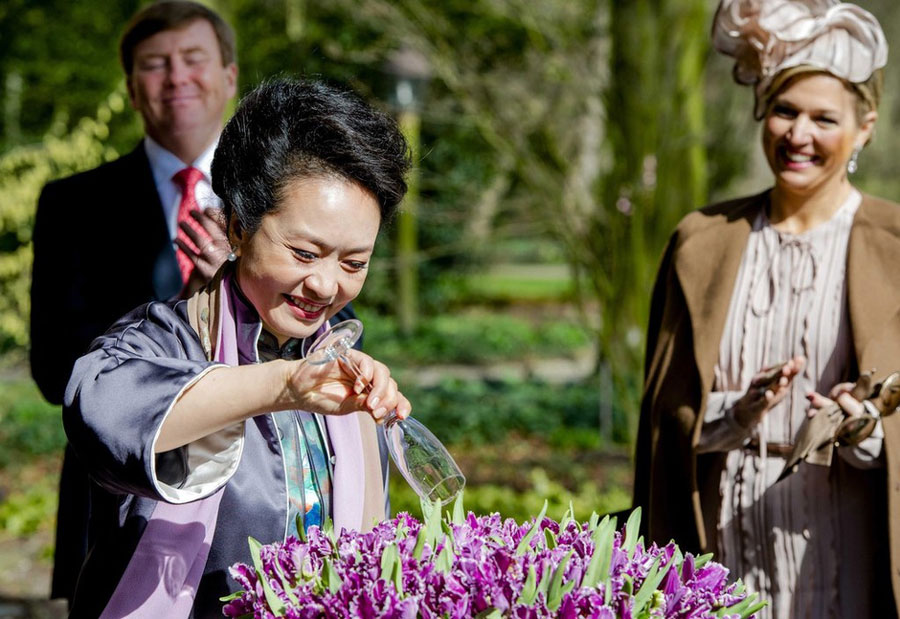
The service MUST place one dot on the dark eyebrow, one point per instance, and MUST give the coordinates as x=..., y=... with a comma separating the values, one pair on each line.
x=329, y=248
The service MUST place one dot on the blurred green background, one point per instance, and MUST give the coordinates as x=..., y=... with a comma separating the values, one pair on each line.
x=558, y=143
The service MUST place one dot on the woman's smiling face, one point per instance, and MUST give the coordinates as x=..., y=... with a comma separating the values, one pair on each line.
x=310, y=256
x=809, y=132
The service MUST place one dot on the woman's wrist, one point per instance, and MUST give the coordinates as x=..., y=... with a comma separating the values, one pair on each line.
x=223, y=396
x=740, y=427
x=745, y=414
x=286, y=391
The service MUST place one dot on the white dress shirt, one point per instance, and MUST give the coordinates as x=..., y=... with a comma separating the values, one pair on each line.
x=165, y=165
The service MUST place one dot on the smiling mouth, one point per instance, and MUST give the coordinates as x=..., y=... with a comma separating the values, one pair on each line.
x=177, y=99
x=797, y=159
x=307, y=309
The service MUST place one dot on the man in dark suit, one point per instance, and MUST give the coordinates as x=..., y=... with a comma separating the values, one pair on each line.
x=112, y=238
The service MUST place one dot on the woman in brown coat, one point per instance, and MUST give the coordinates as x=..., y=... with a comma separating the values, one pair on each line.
x=798, y=278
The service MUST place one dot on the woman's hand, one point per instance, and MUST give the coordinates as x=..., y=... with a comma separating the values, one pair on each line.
x=767, y=388
x=841, y=395
x=227, y=395
x=334, y=388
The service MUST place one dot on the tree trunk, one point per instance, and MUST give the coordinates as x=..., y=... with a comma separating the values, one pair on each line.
x=655, y=116
x=407, y=247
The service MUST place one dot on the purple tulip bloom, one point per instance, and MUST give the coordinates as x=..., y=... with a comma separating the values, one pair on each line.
x=404, y=569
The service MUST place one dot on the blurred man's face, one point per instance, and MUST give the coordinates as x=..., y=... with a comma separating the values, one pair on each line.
x=179, y=85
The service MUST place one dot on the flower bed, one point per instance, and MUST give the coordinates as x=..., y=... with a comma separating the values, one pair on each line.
x=483, y=566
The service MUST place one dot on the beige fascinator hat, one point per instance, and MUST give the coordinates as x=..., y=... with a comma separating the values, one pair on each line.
x=768, y=37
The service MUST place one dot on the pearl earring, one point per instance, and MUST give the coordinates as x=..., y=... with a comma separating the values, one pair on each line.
x=853, y=164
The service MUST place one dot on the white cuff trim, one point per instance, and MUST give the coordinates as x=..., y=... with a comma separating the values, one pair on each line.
x=211, y=460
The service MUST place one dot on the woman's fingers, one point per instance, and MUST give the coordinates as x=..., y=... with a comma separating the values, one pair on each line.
x=766, y=376
x=771, y=377
x=770, y=385
x=357, y=383
x=776, y=392
x=842, y=396
x=817, y=401
x=838, y=389
x=767, y=388
x=850, y=405
x=796, y=365
x=791, y=369
x=403, y=408
x=383, y=394
x=360, y=367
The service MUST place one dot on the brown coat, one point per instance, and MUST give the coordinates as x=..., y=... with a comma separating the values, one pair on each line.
x=677, y=488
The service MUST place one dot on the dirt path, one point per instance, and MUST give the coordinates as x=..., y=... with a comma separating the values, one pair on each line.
x=26, y=566
x=25, y=578
x=26, y=561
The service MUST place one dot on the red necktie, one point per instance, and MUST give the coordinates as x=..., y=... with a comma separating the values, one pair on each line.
x=187, y=179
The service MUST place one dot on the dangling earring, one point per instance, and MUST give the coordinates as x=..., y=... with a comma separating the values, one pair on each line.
x=231, y=257
x=853, y=164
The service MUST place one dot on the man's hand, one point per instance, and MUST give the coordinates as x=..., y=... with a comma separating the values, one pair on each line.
x=213, y=247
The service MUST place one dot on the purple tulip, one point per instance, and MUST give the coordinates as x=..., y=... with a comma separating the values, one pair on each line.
x=479, y=567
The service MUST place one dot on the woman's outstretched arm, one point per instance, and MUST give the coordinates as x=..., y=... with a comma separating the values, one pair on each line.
x=149, y=415
x=227, y=395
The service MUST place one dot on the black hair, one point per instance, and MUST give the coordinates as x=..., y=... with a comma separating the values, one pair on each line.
x=287, y=129
x=172, y=15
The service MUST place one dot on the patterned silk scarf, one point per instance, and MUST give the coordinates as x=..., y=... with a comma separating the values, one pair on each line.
x=303, y=445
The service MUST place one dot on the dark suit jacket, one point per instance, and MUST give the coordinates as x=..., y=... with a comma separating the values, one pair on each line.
x=101, y=248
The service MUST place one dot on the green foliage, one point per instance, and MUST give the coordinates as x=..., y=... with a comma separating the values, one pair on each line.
x=26, y=511
x=31, y=434
x=579, y=125
x=29, y=426
x=877, y=163
x=494, y=287
x=470, y=338
x=654, y=100
x=481, y=412
x=64, y=55
x=24, y=170
x=348, y=42
x=522, y=505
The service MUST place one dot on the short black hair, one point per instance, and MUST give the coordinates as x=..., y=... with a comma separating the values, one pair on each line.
x=172, y=15
x=288, y=129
